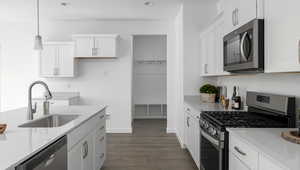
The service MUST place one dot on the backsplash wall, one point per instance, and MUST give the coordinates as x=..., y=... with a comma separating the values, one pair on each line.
x=285, y=84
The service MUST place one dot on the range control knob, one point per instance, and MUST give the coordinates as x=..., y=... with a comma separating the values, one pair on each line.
x=213, y=131
x=206, y=125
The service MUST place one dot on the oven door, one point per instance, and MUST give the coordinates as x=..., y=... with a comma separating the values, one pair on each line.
x=211, y=153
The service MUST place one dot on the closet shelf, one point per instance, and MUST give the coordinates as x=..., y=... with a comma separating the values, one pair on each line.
x=150, y=61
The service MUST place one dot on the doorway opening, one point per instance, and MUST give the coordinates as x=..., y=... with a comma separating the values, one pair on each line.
x=149, y=87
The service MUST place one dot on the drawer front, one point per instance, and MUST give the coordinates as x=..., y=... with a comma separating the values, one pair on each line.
x=83, y=130
x=100, y=141
x=99, y=161
x=191, y=111
x=100, y=145
x=246, y=153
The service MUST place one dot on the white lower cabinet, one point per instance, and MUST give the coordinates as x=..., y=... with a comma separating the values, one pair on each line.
x=267, y=164
x=80, y=157
x=99, y=138
x=192, y=135
x=244, y=156
x=87, y=145
x=236, y=164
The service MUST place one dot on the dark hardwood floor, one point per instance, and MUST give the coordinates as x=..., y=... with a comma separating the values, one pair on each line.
x=148, y=148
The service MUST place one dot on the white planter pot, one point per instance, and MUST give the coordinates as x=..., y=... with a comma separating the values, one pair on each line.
x=208, y=98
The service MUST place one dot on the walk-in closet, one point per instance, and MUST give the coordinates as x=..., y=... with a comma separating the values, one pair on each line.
x=149, y=77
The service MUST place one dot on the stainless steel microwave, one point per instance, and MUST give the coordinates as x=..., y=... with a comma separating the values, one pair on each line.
x=244, y=48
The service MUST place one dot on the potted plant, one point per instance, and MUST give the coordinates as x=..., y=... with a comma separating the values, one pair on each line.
x=208, y=93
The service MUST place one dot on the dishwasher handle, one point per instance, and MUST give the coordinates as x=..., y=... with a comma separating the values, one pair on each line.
x=50, y=160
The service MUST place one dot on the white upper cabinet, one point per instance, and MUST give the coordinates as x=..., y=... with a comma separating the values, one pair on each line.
x=282, y=36
x=57, y=59
x=96, y=46
x=84, y=46
x=238, y=13
x=212, y=49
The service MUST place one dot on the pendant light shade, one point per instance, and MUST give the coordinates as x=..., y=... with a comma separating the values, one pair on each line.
x=38, y=43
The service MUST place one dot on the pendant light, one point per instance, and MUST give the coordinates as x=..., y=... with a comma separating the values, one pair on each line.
x=38, y=44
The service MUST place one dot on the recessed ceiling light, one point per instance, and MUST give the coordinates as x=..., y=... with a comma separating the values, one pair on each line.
x=148, y=3
x=64, y=4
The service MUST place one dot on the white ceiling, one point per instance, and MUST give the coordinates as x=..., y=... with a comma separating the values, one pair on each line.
x=18, y=10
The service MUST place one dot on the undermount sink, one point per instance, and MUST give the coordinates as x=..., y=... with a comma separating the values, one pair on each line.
x=50, y=121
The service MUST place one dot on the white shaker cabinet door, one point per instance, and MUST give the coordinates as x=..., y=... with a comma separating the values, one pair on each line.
x=267, y=164
x=66, y=60
x=237, y=13
x=48, y=60
x=282, y=36
x=84, y=47
x=196, y=139
x=57, y=59
x=88, y=156
x=247, y=11
x=236, y=164
x=75, y=158
x=80, y=157
x=230, y=7
x=105, y=47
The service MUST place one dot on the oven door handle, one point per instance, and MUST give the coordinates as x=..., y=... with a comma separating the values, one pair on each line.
x=212, y=140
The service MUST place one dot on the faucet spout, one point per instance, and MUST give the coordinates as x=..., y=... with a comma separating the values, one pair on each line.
x=30, y=110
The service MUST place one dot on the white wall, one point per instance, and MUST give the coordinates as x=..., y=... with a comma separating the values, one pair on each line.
x=179, y=119
x=99, y=81
x=196, y=16
x=192, y=18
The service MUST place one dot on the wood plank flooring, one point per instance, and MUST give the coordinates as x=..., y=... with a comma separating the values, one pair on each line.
x=148, y=148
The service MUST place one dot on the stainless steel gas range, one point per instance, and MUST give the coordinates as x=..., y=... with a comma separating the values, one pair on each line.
x=264, y=111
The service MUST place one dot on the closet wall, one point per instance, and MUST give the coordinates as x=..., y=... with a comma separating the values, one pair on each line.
x=149, y=76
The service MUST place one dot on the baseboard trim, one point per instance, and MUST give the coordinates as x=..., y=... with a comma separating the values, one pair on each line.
x=180, y=141
x=129, y=130
x=170, y=130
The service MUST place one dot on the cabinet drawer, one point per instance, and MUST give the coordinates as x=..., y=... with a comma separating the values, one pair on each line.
x=100, y=140
x=244, y=152
x=100, y=144
x=83, y=130
x=100, y=130
x=99, y=160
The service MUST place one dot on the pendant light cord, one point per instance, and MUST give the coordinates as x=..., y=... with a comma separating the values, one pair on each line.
x=38, y=16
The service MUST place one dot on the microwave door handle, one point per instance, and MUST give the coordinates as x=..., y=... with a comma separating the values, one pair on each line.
x=232, y=18
x=242, y=46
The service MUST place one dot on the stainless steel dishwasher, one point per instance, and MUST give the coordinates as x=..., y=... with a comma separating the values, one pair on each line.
x=54, y=157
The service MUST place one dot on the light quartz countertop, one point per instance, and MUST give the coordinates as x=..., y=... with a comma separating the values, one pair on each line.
x=18, y=144
x=197, y=105
x=61, y=96
x=270, y=143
